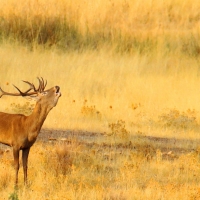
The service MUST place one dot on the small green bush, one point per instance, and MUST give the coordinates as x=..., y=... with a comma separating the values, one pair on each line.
x=14, y=196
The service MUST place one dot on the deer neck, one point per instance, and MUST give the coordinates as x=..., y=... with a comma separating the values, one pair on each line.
x=36, y=120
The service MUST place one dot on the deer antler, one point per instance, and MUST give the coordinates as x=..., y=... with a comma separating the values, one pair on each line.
x=43, y=85
x=27, y=93
x=31, y=86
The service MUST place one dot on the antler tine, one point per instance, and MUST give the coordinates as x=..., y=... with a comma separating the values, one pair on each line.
x=40, y=85
x=32, y=87
x=3, y=93
x=43, y=84
x=11, y=94
x=21, y=93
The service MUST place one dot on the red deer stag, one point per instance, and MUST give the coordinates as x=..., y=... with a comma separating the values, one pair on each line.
x=20, y=131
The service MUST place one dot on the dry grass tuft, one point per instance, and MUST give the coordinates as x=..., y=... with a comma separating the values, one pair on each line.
x=119, y=129
x=59, y=160
x=5, y=178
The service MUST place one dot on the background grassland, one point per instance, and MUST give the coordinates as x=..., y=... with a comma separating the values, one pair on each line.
x=125, y=68
x=126, y=26
x=99, y=87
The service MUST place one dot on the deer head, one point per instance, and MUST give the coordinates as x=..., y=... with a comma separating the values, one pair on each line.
x=49, y=97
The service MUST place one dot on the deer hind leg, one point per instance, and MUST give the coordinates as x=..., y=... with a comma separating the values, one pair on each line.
x=25, y=161
x=16, y=164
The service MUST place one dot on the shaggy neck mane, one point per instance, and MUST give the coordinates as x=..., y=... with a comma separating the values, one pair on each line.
x=37, y=118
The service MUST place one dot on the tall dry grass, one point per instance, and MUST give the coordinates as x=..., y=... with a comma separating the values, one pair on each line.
x=102, y=173
x=126, y=26
x=99, y=88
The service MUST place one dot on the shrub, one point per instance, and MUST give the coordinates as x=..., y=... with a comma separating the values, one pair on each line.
x=119, y=129
x=177, y=119
x=59, y=161
x=90, y=111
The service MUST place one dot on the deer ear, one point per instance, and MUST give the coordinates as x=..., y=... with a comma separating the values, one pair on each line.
x=43, y=93
x=32, y=98
x=38, y=96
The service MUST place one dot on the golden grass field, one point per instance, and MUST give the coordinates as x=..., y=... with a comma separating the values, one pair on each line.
x=126, y=69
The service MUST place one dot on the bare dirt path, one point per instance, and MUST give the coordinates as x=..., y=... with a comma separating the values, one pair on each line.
x=167, y=146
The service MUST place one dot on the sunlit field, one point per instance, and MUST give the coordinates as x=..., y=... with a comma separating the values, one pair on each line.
x=78, y=171
x=153, y=95
x=129, y=71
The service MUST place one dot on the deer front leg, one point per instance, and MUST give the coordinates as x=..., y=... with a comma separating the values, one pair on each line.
x=16, y=164
x=25, y=161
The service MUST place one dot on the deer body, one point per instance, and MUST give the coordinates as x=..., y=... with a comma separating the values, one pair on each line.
x=20, y=131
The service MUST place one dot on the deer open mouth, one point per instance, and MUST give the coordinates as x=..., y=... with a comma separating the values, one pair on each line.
x=58, y=90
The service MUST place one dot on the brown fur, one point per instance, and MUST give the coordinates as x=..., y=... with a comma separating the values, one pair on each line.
x=20, y=132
